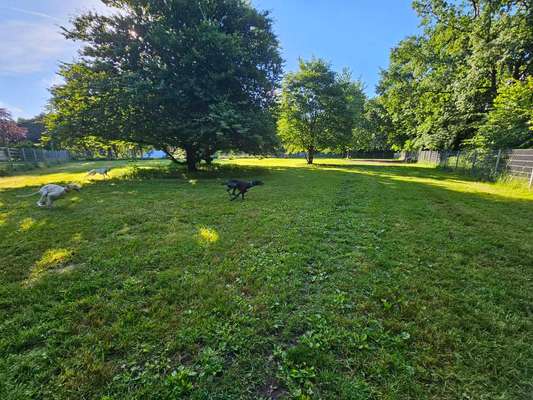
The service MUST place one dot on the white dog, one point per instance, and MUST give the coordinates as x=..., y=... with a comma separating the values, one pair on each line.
x=100, y=171
x=50, y=193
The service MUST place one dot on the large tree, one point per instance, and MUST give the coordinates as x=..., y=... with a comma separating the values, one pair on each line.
x=199, y=75
x=10, y=132
x=317, y=108
x=441, y=85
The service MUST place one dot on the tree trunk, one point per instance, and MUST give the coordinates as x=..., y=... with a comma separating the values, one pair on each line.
x=191, y=155
x=207, y=156
x=310, y=155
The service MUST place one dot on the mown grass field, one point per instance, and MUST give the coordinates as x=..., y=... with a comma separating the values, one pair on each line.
x=345, y=280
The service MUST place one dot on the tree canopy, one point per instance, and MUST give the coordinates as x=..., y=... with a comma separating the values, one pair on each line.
x=510, y=122
x=10, y=132
x=196, y=75
x=441, y=86
x=35, y=127
x=203, y=76
x=318, y=109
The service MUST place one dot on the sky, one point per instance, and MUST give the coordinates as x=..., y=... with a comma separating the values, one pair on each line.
x=357, y=34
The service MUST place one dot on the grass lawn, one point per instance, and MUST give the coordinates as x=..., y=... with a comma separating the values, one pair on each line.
x=345, y=280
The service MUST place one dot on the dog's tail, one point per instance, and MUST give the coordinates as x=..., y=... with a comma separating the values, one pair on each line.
x=29, y=195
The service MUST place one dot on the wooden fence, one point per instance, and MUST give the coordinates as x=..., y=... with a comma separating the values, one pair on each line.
x=29, y=155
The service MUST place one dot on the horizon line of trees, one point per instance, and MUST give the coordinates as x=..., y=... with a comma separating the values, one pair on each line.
x=205, y=77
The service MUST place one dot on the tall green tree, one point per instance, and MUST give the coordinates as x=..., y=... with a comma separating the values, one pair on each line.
x=316, y=109
x=441, y=84
x=199, y=75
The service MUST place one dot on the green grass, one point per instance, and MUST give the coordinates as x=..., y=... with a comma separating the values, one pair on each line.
x=344, y=280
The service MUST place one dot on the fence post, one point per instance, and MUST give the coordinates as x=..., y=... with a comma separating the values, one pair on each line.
x=497, y=161
x=457, y=159
x=531, y=179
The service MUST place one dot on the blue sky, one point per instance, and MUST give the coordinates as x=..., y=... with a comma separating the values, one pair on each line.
x=357, y=34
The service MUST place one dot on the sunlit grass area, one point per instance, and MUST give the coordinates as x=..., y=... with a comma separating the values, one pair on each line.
x=72, y=172
x=341, y=280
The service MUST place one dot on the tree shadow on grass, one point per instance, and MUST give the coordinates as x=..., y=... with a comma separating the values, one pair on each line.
x=495, y=216
x=445, y=266
x=214, y=171
x=403, y=169
x=384, y=181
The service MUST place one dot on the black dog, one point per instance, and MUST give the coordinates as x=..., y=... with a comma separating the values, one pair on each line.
x=235, y=185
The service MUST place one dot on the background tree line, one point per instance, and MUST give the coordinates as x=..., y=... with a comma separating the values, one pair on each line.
x=203, y=77
x=465, y=80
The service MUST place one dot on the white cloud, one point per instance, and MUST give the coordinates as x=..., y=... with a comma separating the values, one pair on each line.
x=27, y=47
x=33, y=13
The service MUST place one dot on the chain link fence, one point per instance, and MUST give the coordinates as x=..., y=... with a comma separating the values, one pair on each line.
x=485, y=164
x=12, y=159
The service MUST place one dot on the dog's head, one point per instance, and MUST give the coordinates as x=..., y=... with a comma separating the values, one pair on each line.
x=72, y=186
x=257, y=183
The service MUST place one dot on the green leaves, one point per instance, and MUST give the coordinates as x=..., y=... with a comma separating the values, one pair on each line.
x=510, y=122
x=196, y=75
x=318, y=108
x=441, y=84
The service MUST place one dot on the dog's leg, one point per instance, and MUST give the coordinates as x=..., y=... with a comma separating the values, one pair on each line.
x=40, y=202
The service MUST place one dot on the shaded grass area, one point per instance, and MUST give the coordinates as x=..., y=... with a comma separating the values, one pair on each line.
x=344, y=280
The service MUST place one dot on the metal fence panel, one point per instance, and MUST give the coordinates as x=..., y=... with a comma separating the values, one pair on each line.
x=482, y=163
x=30, y=155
